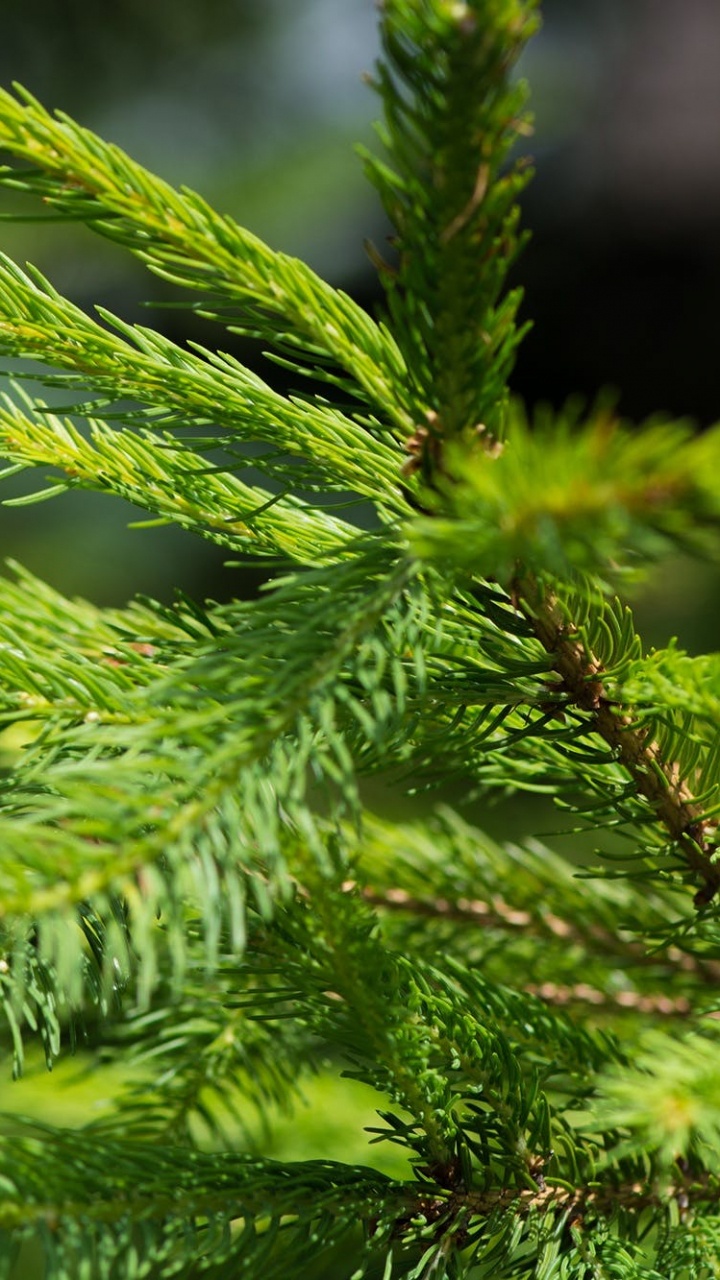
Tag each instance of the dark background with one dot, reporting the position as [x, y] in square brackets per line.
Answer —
[257, 103]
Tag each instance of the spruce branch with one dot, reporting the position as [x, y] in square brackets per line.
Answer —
[451, 115]
[192, 879]
[204, 1190]
[658, 780]
[519, 518]
[197, 1063]
[576, 1202]
[453, 1054]
[502, 916]
[568, 498]
[181, 238]
[162, 787]
[164, 476]
[185, 389]
[177, 1205]
[582, 993]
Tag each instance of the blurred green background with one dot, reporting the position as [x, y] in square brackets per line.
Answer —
[257, 103]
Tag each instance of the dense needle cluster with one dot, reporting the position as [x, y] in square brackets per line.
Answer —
[194, 880]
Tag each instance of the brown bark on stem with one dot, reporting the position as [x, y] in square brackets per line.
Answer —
[657, 780]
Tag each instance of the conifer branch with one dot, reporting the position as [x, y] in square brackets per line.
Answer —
[576, 1202]
[187, 389]
[501, 915]
[567, 497]
[182, 239]
[658, 781]
[170, 480]
[582, 993]
[190, 877]
[452, 115]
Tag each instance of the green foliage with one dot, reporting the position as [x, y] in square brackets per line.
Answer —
[452, 115]
[569, 497]
[196, 885]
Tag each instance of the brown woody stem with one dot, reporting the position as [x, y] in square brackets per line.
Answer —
[657, 780]
[500, 914]
[686, 1191]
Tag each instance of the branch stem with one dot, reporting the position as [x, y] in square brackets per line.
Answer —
[500, 914]
[658, 781]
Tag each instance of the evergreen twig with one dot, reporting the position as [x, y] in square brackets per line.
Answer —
[194, 882]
